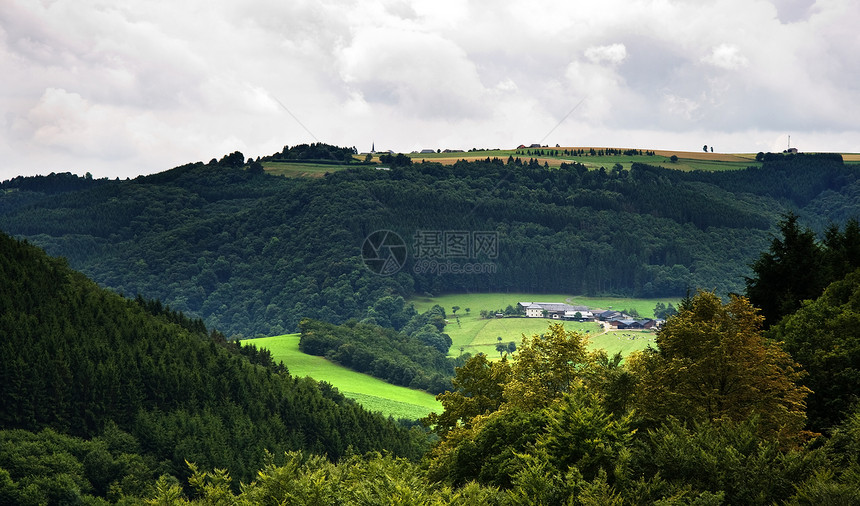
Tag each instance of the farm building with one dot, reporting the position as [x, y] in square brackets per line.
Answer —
[555, 310]
[611, 315]
[629, 323]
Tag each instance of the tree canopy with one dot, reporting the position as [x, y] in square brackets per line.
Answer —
[824, 336]
[713, 363]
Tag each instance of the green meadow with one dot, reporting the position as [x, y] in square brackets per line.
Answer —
[289, 169]
[374, 394]
[479, 335]
[495, 301]
[687, 160]
[470, 334]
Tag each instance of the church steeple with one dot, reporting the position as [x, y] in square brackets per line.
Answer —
[373, 147]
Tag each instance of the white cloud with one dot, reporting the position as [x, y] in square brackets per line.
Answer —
[726, 56]
[613, 54]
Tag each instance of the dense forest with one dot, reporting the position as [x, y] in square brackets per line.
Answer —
[252, 254]
[150, 388]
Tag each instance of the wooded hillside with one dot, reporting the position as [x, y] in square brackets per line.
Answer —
[78, 359]
[252, 254]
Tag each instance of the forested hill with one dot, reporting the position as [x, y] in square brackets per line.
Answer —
[81, 360]
[252, 253]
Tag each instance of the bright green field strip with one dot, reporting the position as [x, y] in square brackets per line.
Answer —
[623, 341]
[372, 393]
[608, 161]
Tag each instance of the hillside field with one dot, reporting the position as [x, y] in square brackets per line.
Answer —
[374, 394]
[472, 333]
[289, 169]
[475, 334]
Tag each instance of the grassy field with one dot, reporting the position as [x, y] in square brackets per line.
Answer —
[300, 169]
[372, 393]
[687, 160]
[471, 333]
[475, 334]
[494, 301]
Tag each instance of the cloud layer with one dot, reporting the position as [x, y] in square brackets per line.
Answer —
[125, 88]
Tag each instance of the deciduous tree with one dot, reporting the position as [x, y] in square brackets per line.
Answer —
[547, 366]
[714, 364]
[477, 389]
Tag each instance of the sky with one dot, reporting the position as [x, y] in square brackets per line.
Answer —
[120, 88]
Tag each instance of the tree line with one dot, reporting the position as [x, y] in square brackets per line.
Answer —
[253, 254]
[381, 352]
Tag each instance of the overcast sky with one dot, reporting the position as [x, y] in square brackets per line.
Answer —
[128, 87]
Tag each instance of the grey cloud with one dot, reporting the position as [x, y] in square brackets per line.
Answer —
[128, 87]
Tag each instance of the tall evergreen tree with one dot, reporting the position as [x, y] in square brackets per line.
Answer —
[788, 273]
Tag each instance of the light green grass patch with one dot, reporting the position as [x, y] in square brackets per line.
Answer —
[623, 341]
[372, 393]
[300, 169]
[495, 301]
[692, 161]
[478, 335]
[512, 329]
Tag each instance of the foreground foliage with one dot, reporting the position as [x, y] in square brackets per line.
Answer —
[824, 335]
[713, 364]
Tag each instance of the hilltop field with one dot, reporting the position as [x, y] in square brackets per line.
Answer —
[686, 161]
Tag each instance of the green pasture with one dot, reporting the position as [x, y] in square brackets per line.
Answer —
[692, 161]
[287, 169]
[497, 300]
[372, 393]
[478, 335]
[685, 164]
